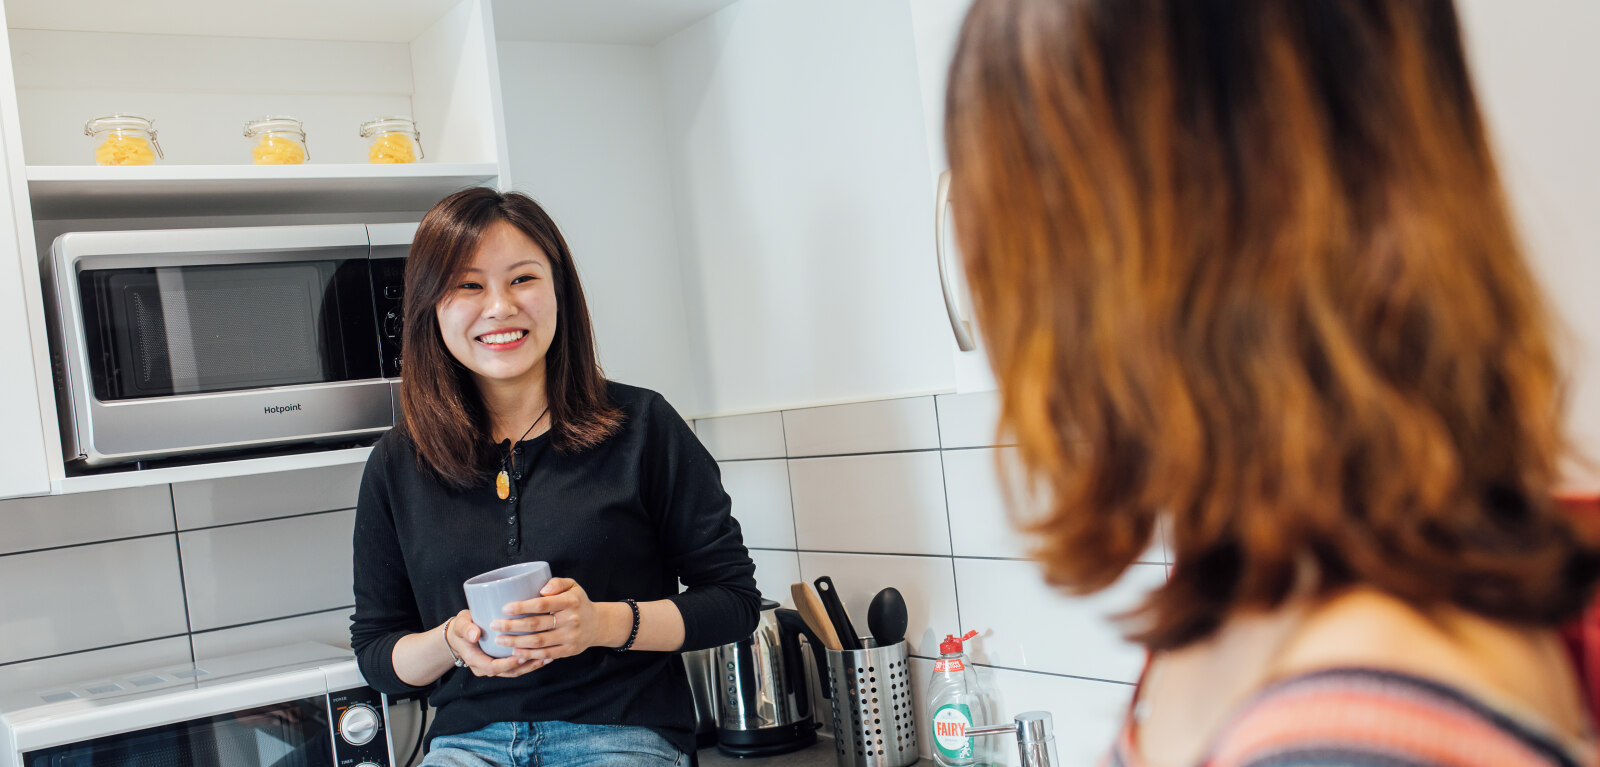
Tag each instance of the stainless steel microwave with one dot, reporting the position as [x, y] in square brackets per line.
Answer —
[301, 705]
[175, 342]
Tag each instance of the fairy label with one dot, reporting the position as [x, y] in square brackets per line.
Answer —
[950, 725]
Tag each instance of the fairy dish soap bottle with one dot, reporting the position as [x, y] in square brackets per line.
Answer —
[956, 702]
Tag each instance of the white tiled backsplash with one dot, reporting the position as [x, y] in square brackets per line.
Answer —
[899, 493]
[906, 493]
[128, 579]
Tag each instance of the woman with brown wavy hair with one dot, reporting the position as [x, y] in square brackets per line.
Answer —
[514, 449]
[1247, 266]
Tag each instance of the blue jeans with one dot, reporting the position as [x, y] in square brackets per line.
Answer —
[553, 744]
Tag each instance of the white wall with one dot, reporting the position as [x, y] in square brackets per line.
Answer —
[587, 140]
[1535, 66]
[805, 205]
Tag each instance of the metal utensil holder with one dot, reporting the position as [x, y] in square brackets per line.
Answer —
[874, 720]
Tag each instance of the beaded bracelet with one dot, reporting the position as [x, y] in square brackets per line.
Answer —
[634, 634]
[445, 630]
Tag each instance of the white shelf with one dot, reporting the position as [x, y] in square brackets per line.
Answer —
[119, 479]
[93, 191]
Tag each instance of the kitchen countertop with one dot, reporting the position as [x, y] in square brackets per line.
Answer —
[819, 754]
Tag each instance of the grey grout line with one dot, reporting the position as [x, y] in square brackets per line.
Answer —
[866, 553]
[188, 635]
[949, 528]
[1034, 671]
[783, 431]
[264, 519]
[788, 474]
[912, 554]
[338, 608]
[87, 543]
[1054, 674]
[183, 583]
[838, 455]
[963, 448]
[106, 647]
[174, 531]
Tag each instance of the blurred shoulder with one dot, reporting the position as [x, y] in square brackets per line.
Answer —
[1374, 716]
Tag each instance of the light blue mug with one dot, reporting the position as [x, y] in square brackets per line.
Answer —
[493, 590]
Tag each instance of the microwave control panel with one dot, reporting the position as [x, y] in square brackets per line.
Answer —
[388, 293]
[361, 737]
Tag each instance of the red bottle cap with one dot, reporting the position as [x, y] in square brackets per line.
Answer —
[951, 645]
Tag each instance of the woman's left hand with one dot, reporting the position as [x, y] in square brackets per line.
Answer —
[561, 622]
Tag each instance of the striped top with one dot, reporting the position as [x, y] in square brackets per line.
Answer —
[1360, 717]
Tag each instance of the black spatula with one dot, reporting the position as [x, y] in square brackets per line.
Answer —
[848, 639]
[886, 617]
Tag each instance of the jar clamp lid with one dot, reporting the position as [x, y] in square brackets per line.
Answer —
[394, 124]
[122, 122]
[289, 126]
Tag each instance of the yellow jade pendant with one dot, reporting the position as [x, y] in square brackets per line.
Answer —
[502, 485]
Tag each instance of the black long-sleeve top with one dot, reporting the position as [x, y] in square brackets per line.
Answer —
[630, 518]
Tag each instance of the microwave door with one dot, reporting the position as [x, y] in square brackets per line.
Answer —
[294, 733]
[169, 331]
[218, 355]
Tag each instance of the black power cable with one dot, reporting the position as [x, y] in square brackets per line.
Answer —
[422, 728]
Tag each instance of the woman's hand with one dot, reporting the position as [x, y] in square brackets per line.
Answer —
[463, 635]
[561, 622]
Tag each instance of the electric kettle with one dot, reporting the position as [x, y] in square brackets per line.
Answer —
[763, 691]
[703, 688]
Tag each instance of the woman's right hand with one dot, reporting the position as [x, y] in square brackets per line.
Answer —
[463, 635]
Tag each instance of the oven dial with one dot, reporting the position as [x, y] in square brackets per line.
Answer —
[358, 725]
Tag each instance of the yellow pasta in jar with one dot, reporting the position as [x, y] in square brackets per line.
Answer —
[120, 149]
[392, 148]
[277, 150]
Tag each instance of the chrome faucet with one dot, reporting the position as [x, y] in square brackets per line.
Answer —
[1036, 741]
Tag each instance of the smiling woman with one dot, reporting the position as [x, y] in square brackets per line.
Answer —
[498, 322]
[603, 481]
[478, 246]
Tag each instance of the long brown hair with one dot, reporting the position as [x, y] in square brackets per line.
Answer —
[444, 414]
[1248, 265]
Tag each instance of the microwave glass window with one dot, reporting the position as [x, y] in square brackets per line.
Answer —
[159, 331]
[292, 734]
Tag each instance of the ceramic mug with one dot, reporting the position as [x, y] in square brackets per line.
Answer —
[488, 593]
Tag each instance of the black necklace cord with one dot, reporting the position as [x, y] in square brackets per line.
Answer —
[502, 481]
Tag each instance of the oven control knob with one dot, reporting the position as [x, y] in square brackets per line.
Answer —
[358, 725]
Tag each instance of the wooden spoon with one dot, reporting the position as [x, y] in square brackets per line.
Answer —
[812, 612]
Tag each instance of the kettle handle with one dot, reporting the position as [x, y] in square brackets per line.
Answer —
[792, 625]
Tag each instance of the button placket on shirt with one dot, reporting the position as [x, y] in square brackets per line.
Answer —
[511, 502]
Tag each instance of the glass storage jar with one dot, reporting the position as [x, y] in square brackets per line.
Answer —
[124, 140]
[393, 140]
[279, 141]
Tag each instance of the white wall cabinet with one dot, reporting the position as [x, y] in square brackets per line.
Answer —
[27, 410]
[801, 187]
[199, 70]
[804, 204]
[937, 26]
